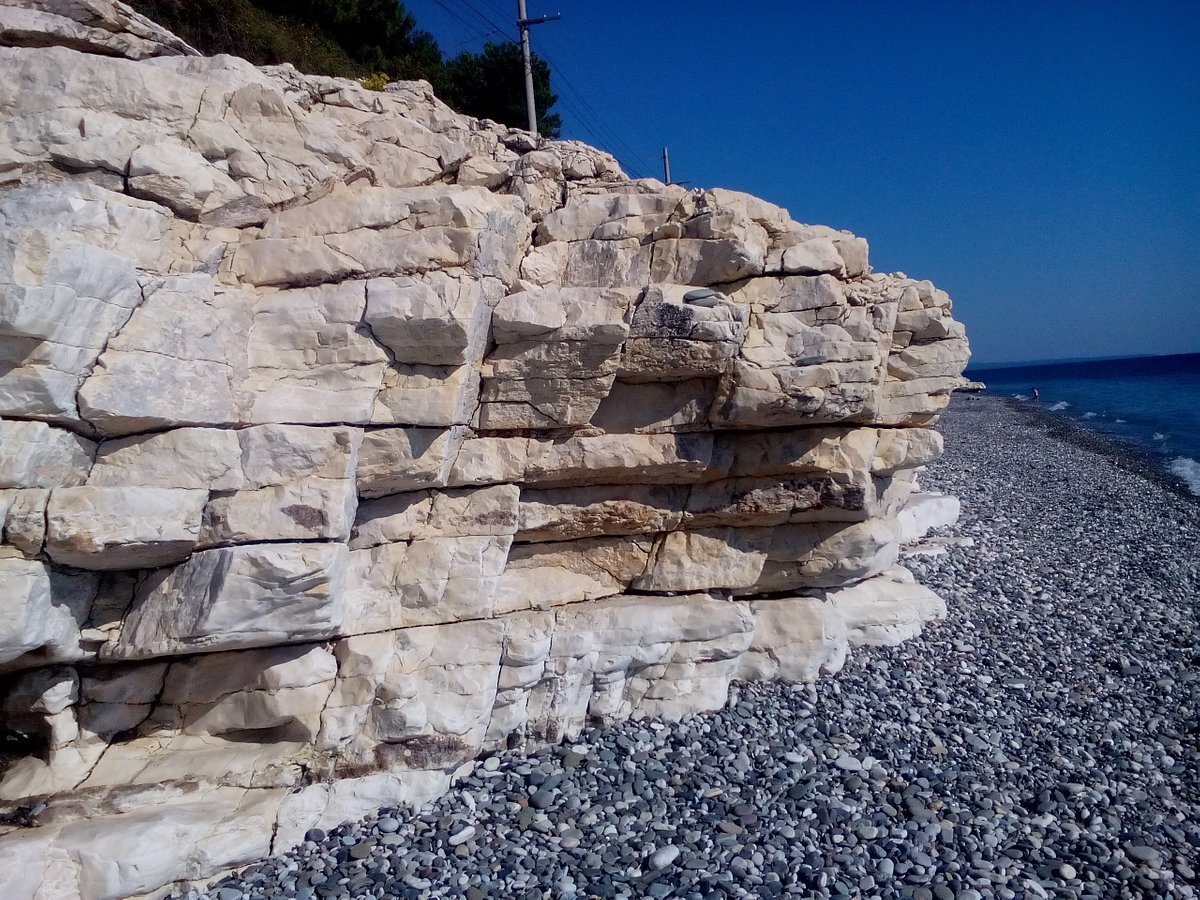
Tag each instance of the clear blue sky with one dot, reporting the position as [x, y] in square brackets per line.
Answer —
[1039, 161]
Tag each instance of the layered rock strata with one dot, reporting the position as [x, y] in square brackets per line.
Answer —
[345, 438]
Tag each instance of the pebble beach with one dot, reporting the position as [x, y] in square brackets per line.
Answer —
[1042, 741]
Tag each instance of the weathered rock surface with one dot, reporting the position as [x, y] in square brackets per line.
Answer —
[343, 438]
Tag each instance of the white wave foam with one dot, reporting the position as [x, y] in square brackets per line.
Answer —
[1089, 415]
[1159, 436]
[1119, 421]
[1189, 471]
[1020, 396]
[1059, 406]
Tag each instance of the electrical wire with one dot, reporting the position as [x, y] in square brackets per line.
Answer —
[588, 120]
[620, 147]
[466, 23]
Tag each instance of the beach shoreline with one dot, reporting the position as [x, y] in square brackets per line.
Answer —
[1040, 741]
[1127, 452]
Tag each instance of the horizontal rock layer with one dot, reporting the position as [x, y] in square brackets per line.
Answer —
[344, 438]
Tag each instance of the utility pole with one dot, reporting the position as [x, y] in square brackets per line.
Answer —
[666, 166]
[523, 22]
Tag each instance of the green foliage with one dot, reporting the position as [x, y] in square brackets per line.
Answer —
[491, 85]
[376, 81]
[241, 28]
[364, 39]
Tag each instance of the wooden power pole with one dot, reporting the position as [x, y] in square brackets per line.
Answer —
[523, 22]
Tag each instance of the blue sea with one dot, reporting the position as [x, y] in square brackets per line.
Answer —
[1149, 402]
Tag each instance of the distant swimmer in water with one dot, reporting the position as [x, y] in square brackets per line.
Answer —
[1035, 395]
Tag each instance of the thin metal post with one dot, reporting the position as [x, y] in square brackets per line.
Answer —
[523, 23]
[666, 166]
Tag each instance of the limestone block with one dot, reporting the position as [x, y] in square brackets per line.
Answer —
[930, 359]
[488, 460]
[838, 555]
[140, 683]
[782, 394]
[24, 520]
[477, 171]
[135, 852]
[309, 358]
[600, 649]
[704, 262]
[33, 454]
[270, 482]
[778, 500]
[431, 514]
[762, 559]
[281, 689]
[847, 454]
[537, 179]
[657, 407]
[430, 581]
[795, 639]
[542, 576]
[905, 448]
[91, 26]
[437, 396]
[581, 216]
[393, 519]
[924, 511]
[187, 334]
[608, 264]
[854, 252]
[41, 610]
[122, 527]
[394, 460]
[557, 353]
[887, 609]
[298, 484]
[363, 231]
[565, 514]
[307, 509]
[436, 320]
[545, 265]
[797, 293]
[209, 458]
[179, 178]
[62, 299]
[813, 257]
[915, 402]
[617, 459]
[405, 153]
[672, 338]
[235, 597]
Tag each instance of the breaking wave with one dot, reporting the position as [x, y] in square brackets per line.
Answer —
[1020, 396]
[1159, 436]
[1059, 406]
[1189, 471]
[1089, 415]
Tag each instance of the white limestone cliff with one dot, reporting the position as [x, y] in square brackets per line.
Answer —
[344, 438]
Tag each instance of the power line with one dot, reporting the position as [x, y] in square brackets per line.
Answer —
[608, 136]
[470, 26]
[588, 119]
[484, 16]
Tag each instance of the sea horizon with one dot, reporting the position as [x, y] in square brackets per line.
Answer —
[974, 366]
[1149, 403]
